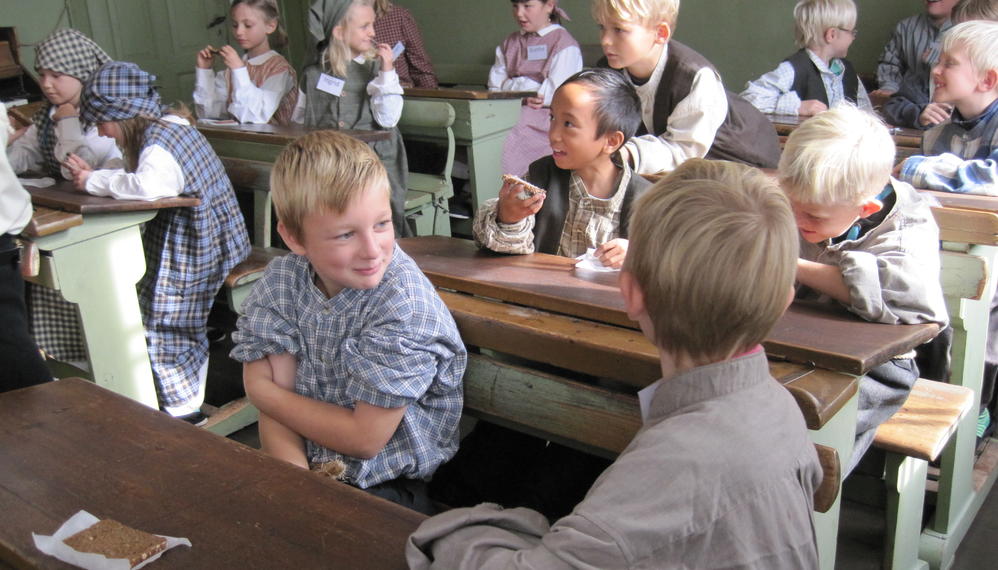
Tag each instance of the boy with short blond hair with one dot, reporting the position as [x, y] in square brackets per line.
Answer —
[686, 112]
[722, 472]
[961, 155]
[349, 354]
[967, 10]
[868, 242]
[818, 76]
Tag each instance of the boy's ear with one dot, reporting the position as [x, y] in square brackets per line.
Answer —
[870, 207]
[989, 80]
[292, 242]
[829, 34]
[663, 33]
[634, 297]
[613, 141]
[337, 32]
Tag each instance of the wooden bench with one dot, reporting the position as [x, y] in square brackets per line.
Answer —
[914, 436]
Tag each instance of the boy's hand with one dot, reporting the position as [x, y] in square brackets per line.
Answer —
[934, 113]
[612, 253]
[205, 56]
[811, 107]
[534, 102]
[384, 52]
[231, 57]
[880, 96]
[511, 209]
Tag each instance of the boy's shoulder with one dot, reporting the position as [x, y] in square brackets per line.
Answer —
[683, 56]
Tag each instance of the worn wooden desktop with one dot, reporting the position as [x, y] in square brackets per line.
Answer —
[482, 120]
[544, 285]
[264, 142]
[71, 445]
[94, 257]
[907, 140]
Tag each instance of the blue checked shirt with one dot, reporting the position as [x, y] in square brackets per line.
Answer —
[774, 92]
[960, 156]
[392, 346]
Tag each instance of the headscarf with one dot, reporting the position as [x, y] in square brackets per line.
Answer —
[323, 16]
[118, 91]
[71, 53]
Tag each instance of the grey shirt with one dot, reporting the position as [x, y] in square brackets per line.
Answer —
[721, 475]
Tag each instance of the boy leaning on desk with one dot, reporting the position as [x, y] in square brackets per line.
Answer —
[722, 472]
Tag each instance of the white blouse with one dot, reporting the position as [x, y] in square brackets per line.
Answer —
[250, 104]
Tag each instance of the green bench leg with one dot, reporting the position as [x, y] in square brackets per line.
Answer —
[905, 481]
[840, 433]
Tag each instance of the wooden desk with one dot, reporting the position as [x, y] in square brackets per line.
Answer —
[550, 314]
[824, 336]
[482, 120]
[908, 141]
[264, 142]
[71, 445]
[96, 265]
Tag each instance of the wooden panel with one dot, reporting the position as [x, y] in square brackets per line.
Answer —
[70, 445]
[965, 225]
[279, 135]
[925, 422]
[449, 93]
[824, 335]
[62, 196]
[45, 221]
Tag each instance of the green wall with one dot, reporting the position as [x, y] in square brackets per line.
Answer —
[743, 38]
[34, 20]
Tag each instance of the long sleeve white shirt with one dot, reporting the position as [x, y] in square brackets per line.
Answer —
[158, 175]
[692, 125]
[25, 153]
[250, 104]
[563, 64]
[15, 202]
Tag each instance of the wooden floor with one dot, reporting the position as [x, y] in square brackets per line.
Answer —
[861, 530]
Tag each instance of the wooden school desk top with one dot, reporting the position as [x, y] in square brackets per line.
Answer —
[62, 196]
[71, 445]
[903, 136]
[279, 134]
[450, 93]
[823, 335]
[46, 221]
[965, 218]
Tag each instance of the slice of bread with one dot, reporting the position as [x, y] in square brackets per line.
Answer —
[528, 188]
[115, 540]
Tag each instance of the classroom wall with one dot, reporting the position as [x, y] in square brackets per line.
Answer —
[743, 38]
[34, 20]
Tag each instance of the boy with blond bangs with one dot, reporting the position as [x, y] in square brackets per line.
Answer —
[351, 357]
[967, 10]
[868, 242]
[818, 76]
[961, 155]
[685, 110]
[722, 472]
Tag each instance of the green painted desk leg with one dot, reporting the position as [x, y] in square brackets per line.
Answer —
[905, 484]
[484, 168]
[96, 266]
[958, 501]
[840, 433]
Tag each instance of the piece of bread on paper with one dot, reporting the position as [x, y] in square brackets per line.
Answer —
[115, 540]
[528, 188]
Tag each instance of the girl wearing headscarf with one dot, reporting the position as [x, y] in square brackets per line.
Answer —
[189, 251]
[352, 84]
[64, 61]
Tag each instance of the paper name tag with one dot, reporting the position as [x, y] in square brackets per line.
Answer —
[535, 53]
[397, 50]
[330, 84]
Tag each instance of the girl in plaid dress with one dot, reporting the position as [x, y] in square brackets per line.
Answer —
[189, 251]
[64, 61]
[258, 87]
[353, 85]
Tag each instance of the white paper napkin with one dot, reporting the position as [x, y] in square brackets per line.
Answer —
[591, 262]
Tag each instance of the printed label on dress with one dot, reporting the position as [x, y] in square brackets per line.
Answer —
[330, 84]
[536, 53]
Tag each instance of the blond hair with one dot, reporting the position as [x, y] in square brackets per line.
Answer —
[648, 13]
[967, 10]
[712, 290]
[979, 38]
[323, 171]
[382, 7]
[841, 156]
[337, 54]
[813, 17]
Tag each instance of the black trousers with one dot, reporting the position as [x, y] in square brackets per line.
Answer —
[20, 363]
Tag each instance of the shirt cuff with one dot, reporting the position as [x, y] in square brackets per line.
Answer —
[241, 78]
[909, 170]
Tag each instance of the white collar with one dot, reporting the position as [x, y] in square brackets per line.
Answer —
[257, 60]
[543, 31]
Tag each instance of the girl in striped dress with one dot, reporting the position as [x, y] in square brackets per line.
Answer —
[260, 86]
